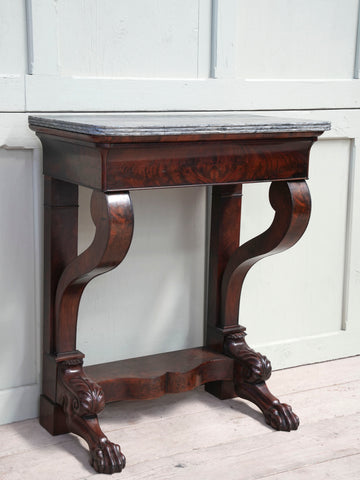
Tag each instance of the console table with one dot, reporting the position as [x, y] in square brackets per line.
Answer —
[113, 154]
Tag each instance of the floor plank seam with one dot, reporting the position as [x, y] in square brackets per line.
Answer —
[238, 456]
[35, 448]
[293, 438]
[309, 465]
[221, 444]
[227, 404]
[322, 387]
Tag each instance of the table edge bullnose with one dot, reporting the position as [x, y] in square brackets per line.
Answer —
[233, 125]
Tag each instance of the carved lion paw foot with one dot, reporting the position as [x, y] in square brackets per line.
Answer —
[281, 417]
[107, 458]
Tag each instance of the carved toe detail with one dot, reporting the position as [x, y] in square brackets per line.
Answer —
[251, 369]
[106, 457]
[281, 417]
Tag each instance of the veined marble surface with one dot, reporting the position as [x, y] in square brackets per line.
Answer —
[147, 124]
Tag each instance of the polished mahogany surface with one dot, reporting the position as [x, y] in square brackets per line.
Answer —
[113, 155]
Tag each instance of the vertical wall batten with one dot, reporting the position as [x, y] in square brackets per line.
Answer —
[357, 49]
[213, 49]
[42, 37]
[29, 36]
[38, 252]
[348, 235]
[223, 41]
[204, 38]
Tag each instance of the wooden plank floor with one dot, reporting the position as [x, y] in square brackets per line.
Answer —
[196, 436]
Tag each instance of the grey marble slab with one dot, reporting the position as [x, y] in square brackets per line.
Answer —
[136, 124]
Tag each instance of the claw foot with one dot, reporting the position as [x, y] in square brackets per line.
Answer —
[82, 400]
[106, 457]
[281, 417]
[250, 372]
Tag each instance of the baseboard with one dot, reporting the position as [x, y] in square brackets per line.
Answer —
[19, 403]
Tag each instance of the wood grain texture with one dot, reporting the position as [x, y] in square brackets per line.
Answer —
[292, 204]
[113, 217]
[60, 216]
[223, 242]
[206, 163]
[184, 161]
[153, 376]
[229, 263]
[265, 150]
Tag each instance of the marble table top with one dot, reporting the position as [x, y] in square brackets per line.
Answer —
[150, 124]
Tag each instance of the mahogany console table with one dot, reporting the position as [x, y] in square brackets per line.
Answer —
[115, 154]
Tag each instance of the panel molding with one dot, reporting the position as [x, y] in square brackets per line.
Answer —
[38, 201]
[223, 39]
[291, 353]
[53, 93]
[46, 36]
[353, 272]
[348, 234]
[20, 287]
[17, 401]
[357, 48]
[42, 42]
[204, 39]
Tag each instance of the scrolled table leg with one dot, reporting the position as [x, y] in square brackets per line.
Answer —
[292, 204]
[113, 217]
[81, 398]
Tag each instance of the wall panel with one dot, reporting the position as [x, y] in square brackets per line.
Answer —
[288, 39]
[309, 301]
[141, 39]
[13, 49]
[17, 286]
[281, 58]
[13, 55]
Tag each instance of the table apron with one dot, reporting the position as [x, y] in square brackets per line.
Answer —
[142, 166]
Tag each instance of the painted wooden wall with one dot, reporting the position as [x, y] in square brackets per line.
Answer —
[296, 59]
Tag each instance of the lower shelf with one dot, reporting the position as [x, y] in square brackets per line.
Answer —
[155, 375]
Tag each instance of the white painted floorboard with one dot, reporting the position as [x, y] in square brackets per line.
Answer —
[196, 436]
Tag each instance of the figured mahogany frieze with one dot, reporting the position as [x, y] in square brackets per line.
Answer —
[203, 163]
